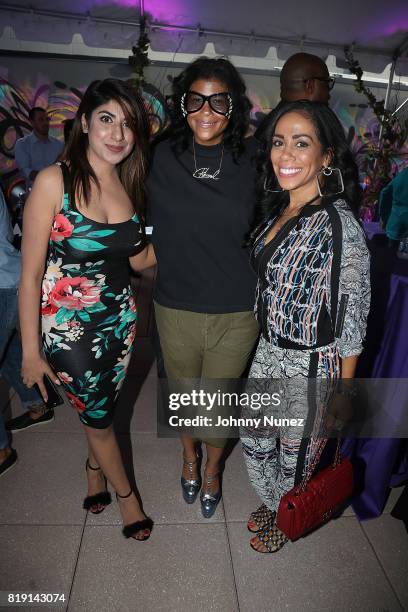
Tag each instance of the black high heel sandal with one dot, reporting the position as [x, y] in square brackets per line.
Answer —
[134, 528]
[103, 498]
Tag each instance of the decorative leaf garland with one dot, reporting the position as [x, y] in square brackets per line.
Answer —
[393, 138]
[139, 60]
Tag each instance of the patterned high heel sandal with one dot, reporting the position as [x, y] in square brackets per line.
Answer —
[145, 525]
[260, 518]
[99, 499]
[271, 537]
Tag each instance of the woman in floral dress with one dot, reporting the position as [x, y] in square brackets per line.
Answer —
[80, 232]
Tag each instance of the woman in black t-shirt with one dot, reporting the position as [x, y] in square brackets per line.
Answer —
[201, 195]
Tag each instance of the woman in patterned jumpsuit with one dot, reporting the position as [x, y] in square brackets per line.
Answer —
[313, 292]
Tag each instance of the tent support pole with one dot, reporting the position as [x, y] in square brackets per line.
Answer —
[399, 52]
[388, 95]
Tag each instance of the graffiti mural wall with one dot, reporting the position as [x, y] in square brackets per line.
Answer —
[16, 99]
[60, 96]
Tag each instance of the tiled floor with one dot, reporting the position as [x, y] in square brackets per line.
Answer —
[49, 544]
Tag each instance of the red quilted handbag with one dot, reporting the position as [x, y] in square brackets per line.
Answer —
[315, 500]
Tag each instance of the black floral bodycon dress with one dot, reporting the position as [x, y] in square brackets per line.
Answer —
[88, 311]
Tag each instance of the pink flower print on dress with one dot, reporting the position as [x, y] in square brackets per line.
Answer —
[64, 377]
[132, 304]
[78, 405]
[74, 293]
[131, 336]
[61, 228]
[46, 307]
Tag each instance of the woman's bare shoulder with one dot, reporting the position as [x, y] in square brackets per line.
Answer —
[48, 190]
[50, 177]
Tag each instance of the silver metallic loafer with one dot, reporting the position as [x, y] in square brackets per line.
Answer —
[209, 502]
[190, 486]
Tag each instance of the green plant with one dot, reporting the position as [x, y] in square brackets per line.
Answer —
[139, 58]
[382, 152]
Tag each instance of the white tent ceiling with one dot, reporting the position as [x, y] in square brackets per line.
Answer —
[375, 28]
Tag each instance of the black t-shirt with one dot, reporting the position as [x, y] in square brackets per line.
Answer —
[199, 226]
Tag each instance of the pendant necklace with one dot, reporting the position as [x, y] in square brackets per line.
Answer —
[203, 173]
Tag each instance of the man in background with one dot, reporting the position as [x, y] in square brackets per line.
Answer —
[303, 77]
[37, 150]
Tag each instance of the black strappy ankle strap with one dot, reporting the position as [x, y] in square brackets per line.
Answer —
[88, 465]
[124, 496]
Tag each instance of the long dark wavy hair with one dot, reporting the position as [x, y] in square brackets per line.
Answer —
[132, 169]
[222, 70]
[331, 136]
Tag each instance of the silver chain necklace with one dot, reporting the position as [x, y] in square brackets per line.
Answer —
[203, 173]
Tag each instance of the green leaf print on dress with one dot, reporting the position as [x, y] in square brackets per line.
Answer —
[86, 387]
[84, 244]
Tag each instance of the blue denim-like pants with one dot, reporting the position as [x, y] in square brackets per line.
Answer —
[11, 355]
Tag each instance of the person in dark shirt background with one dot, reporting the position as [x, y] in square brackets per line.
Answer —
[303, 77]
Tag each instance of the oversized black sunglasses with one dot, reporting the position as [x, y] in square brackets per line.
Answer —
[192, 102]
